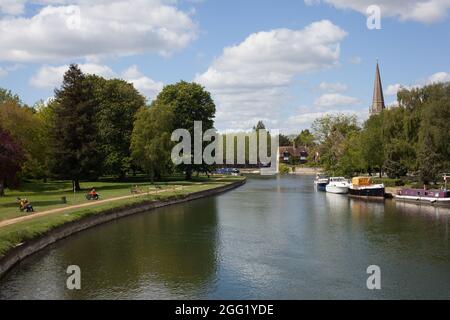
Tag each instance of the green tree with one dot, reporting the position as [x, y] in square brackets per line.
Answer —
[351, 160]
[332, 132]
[76, 152]
[430, 164]
[284, 141]
[25, 126]
[189, 102]
[8, 96]
[150, 143]
[259, 126]
[372, 150]
[11, 158]
[305, 139]
[117, 103]
[395, 164]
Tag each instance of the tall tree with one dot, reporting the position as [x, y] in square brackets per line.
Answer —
[189, 102]
[25, 127]
[8, 96]
[373, 147]
[150, 144]
[117, 103]
[332, 132]
[11, 159]
[430, 164]
[76, 154]
[259, 126]
[284, 141]
[305, 139]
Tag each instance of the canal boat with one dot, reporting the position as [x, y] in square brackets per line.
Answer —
[424, 195]
[362, 187]
[321, 182]
[338, 185]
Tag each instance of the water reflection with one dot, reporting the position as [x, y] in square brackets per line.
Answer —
[272, 238]
[137, 257]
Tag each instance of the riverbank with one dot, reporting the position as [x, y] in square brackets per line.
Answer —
[20, 240]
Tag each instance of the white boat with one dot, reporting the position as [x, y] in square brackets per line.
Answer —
[321, 182]
[338, 185]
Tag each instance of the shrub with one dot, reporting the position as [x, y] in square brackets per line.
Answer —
[388, 182]
[284, 169]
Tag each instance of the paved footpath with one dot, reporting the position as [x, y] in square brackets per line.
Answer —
[83, 205]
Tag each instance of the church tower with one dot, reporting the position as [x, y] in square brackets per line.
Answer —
[378, 98]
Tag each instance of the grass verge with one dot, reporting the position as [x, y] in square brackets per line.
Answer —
[13, 235]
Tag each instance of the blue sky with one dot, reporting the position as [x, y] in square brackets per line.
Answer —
[287, 62]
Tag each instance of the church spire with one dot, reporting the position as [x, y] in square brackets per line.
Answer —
[378, 98]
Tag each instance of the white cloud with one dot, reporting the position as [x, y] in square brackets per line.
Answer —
[145, 85]
[425, 11]
[52, 77]
[333, 87]
[355, 60]
[4, 71]
[81, 29]
[335, 99]
[393, 89]
[249, 81]
[12, 7]
[304, 118]
[439, 77]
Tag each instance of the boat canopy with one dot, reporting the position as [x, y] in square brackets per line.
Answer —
[362, 181]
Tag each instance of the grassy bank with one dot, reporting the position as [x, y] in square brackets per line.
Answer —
[48, 196]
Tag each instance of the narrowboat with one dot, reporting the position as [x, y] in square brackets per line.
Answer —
[321, 182]
[362, 187]
[338, 185]
[424, 195]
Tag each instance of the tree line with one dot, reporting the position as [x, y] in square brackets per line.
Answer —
[95, 127]
[412, 138]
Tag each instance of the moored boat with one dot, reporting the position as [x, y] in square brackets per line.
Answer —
[424, 195]
[338, 185]
[362, 187]
[321, 182]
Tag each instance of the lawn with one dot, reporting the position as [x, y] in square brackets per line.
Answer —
[46, 196]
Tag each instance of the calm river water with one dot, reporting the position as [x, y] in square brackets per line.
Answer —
[274, 238]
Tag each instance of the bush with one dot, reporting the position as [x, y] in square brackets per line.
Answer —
[284, 169]
[388, 182]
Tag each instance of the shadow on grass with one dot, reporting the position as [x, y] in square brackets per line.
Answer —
[37, 187]
[63, 188]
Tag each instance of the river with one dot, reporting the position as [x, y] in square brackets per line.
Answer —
[274, 238]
